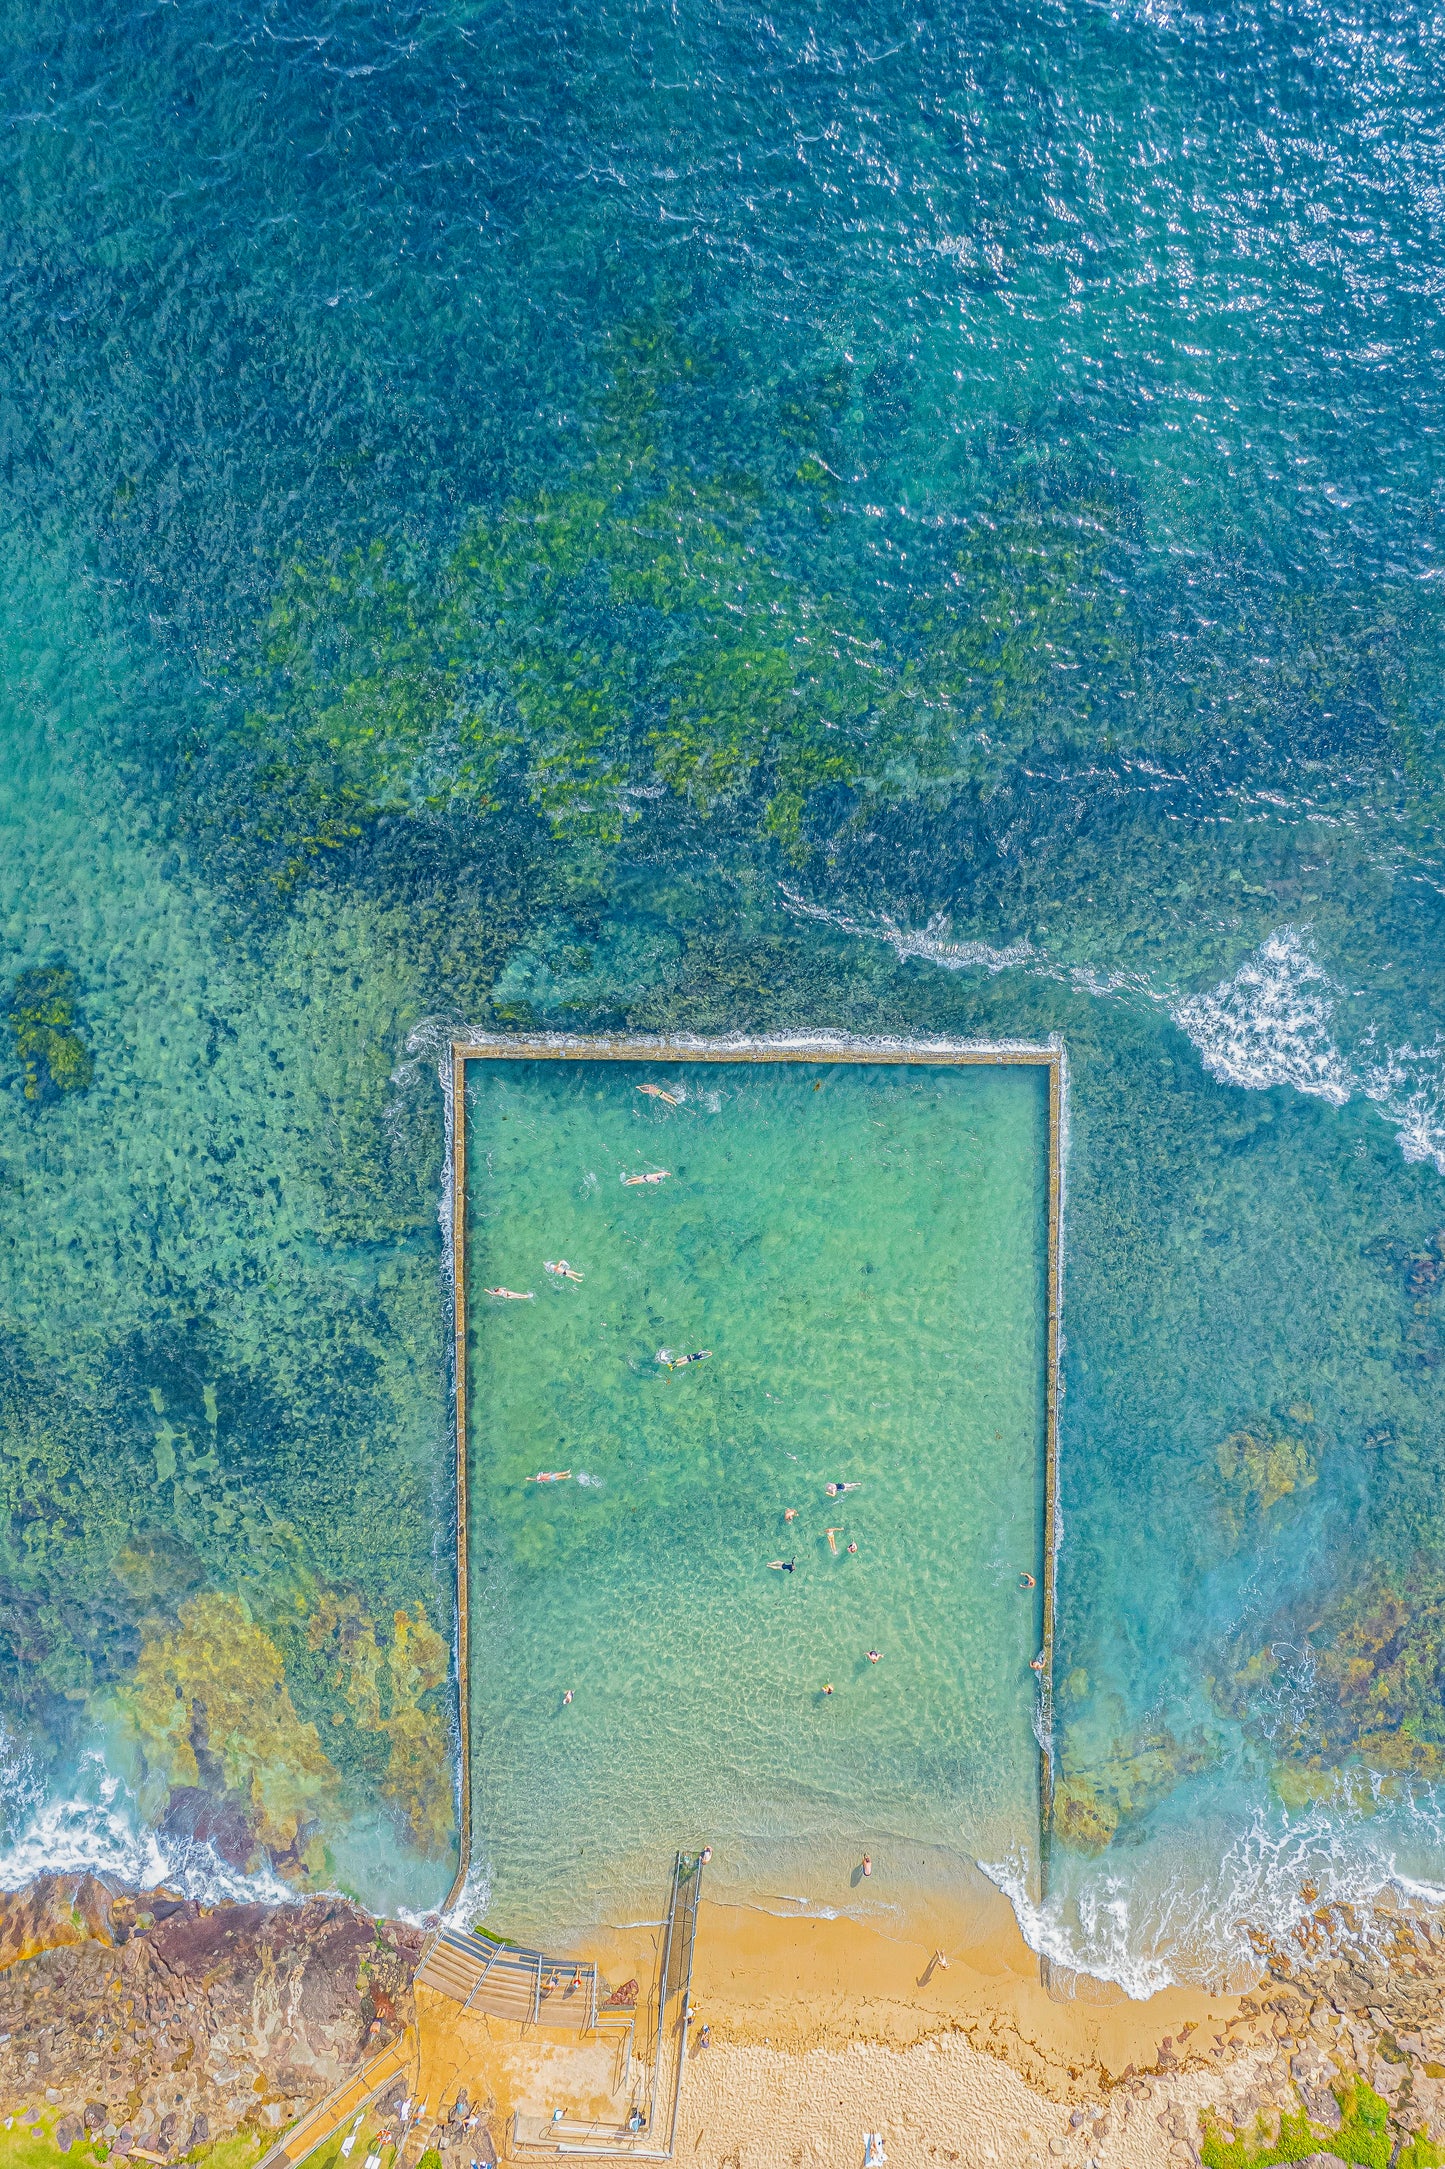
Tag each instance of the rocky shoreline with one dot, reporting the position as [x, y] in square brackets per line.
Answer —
[143, 2023]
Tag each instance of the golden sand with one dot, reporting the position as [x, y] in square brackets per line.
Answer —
[823, 2030]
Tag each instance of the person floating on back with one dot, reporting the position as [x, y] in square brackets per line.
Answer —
[561, 1270]
[660, 1175]
[657, 1092]
[512, 1295]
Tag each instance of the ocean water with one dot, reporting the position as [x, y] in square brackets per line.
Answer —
[862, 1253]
[694, 519]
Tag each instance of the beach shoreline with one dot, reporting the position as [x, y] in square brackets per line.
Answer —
[806, 2034]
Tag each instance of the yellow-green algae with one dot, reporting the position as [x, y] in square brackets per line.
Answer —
[1363, 2137]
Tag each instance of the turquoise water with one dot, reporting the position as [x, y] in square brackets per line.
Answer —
[863, 1254]
[691, 520]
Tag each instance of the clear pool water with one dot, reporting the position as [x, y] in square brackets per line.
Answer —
[863, 1253]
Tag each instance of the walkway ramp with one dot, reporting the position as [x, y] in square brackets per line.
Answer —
[389, 2067]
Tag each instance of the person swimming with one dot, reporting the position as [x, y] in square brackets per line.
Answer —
[630, 1182]
[852, 1548]
[782, 1566]
[658, 1092]
[1036, 1664]
[1026, 1581]
[550, 1476]
[680, 1363]
[873, 1656]
[790, 1513]
[561, 1270]
[836, 1491]
[833, 1536]
[512, 1295]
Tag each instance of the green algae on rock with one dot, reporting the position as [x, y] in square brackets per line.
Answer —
[43, 1021]
[1377, 1657]
[1091, 1801]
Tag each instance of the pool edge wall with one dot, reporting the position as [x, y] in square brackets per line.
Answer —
[782, 1047]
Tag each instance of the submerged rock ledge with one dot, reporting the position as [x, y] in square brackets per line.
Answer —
[143, 2022]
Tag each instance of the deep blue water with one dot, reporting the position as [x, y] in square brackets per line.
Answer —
[898, 521]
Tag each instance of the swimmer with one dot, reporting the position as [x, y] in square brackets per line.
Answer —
[550, 1476]
[630, 1182]
[699, 1355]
[790, 1513]
[867, 1863]
[782, 1566]
[562, 1270]
[852, 1548]
[566, 1698]
[833, 1535]
[873, 1656]
[512, 1295]
[1036, 1664]
[1026, 1581]
[828, 1690]
[656, 1092]
[836, 1491]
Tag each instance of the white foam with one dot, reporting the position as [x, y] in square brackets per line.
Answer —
[1272, 1022]
[97, 1826]
[1176, 1915]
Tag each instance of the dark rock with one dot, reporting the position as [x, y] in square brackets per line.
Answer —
[204, 1819]
[67, 2131]
[127, 2018]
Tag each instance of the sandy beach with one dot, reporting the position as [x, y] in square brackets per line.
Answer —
[822, 2030]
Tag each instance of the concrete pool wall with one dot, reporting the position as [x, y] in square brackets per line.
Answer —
[812, 1049]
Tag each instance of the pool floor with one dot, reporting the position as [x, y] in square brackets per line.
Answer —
[863, 1251]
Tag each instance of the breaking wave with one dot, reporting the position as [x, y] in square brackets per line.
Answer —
[1169, 1921]
[1275, 1021]
[97, 1826]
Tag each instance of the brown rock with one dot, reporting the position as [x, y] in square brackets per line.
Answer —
[54, 1910]
[155, 2021]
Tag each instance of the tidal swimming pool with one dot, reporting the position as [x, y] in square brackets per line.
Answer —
[862, 1248]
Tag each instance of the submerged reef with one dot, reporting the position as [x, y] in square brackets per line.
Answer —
[1366, 1677]
[42, 1016]
[224, 1753]
[1259, 1466]
[1092, 1798]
